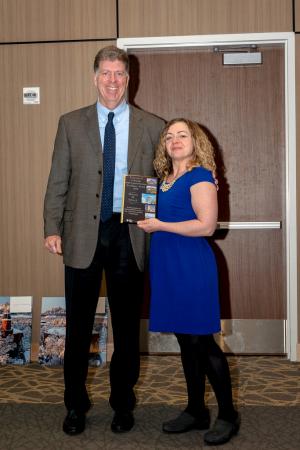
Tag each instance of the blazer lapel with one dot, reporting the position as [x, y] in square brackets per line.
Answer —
[135, 135]
[93, 131]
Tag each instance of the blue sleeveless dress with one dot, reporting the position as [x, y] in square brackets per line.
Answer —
[183, 271]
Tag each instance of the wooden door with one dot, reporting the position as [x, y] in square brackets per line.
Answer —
[242, 108]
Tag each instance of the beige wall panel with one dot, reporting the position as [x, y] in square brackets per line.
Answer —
[297, 15]
[177, 17]
[298, 162]
[64, 74]
[52, 20]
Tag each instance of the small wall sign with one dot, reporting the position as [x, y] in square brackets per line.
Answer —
[31, 95]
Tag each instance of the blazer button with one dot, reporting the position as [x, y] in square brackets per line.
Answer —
[97, 195]
[95, 217]
[99, 171]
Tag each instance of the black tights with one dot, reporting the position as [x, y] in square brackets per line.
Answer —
[201, 356]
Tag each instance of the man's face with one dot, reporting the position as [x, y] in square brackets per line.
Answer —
[111, 81]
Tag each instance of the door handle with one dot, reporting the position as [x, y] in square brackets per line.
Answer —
[248, 225]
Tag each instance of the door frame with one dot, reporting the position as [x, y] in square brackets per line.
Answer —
[288, 41]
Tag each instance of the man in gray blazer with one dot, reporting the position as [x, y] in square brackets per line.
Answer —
[90, 243]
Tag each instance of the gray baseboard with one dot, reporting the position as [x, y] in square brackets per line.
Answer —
[240, 336]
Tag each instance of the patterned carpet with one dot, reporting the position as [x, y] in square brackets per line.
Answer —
[266, 392]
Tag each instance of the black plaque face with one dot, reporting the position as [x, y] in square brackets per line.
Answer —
[139, 198]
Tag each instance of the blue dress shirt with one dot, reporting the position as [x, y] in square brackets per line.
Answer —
[121, 124]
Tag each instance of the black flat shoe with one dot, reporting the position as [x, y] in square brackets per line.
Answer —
[186, 422]
[122, 422]
[74, 422]
[222, 431]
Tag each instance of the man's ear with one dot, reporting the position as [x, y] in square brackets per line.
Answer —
[95, 76]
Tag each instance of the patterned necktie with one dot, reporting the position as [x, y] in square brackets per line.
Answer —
[109, 156]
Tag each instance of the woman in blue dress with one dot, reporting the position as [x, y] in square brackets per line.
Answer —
[184, 278]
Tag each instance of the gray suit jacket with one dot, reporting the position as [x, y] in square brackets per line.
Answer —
[73, 197]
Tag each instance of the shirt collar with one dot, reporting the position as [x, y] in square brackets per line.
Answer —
[103, 111]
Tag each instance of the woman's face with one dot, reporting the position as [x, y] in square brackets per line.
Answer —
[179, 142]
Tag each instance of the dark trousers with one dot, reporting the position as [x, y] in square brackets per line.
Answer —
[124, 281]
[201, 357]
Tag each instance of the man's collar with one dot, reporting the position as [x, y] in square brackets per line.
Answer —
[118, 110]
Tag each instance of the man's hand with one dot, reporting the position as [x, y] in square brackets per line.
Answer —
[53, 244]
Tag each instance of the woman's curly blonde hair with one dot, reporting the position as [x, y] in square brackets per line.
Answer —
[203, 154]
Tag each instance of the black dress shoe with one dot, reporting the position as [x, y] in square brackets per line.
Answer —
[186, 422]
[222, 431]
[122, 422]
[74, 422]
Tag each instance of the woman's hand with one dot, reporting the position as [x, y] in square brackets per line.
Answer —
[150, 225]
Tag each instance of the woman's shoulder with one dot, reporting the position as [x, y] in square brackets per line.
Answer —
[198, 174]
